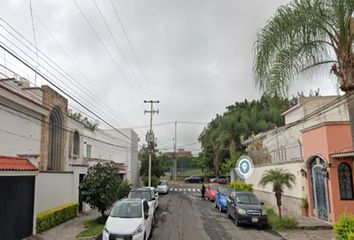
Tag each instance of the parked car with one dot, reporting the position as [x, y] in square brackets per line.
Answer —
[221, 198]
[155, 194]
[129, 219]
[212, 190]
[194, 179]
[163, 187]
[144, 193]
[245, 207]
[221, 180]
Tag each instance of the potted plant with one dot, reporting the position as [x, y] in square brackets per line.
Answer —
[304, 207]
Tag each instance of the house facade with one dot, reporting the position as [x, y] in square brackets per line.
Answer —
[37, 130]
[292, 145]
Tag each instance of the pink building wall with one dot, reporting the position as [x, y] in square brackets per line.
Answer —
[322, 140]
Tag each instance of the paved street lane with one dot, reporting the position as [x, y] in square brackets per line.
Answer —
[183, 215]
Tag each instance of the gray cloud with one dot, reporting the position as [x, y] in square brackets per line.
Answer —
[197, 55]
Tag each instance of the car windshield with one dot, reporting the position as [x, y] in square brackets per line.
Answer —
[214, 187]
[127, 210]
[226, 191]
[247, 199]
[163, 184]
[140, 195]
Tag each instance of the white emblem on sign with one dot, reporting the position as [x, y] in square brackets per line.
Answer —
[244, 167]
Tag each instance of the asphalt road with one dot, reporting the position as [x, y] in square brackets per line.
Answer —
[183, 215]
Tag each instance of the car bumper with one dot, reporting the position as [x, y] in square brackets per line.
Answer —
[139, 236]
[254, 220]
[161, 190]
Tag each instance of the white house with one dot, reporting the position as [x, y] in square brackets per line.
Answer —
[37, 132]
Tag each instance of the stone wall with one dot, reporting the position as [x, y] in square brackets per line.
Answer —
[291, 206]
[52, 99]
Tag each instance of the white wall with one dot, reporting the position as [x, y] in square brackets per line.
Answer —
[54, 189]
[20, 133]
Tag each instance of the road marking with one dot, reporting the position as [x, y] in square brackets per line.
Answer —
[189, 189]
[198, 190]
[193, 190]
[175, 189]
[180, 189]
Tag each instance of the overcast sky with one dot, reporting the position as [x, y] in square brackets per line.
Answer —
[196, 56]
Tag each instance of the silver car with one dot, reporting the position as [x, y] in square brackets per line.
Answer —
[163, 187]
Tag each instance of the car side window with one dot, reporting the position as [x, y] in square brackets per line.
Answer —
[146, 207]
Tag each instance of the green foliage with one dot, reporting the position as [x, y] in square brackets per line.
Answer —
[305, 35]
[280, 178]
[304, 203]
[100, 187]
[124, 189]
[89, 124]
[92, 228]
[157, 163]
[154, 181]
[240, 121]
[344, 228]
[280, 224]
[241, 186]
[56, 216]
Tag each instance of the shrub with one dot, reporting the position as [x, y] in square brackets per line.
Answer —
[56, 216]
[124, 189]
[154, 181]
[241, 186]
[100, 186]
[279, 224]
[344, 228]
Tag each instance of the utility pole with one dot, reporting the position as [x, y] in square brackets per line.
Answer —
[150, 138]
[175, 157]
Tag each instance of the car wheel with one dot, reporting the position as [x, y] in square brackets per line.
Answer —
[236, 221]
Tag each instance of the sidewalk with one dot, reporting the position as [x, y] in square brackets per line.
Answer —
[68, 230]
[310, 228]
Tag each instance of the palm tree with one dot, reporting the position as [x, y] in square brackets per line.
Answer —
[307, 35]
[279, 178]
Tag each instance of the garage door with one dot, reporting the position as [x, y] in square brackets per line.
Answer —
[16, 207]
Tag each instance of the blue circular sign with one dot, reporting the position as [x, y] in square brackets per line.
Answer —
[244, 167]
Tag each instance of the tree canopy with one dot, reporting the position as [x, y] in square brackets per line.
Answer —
[239, 122]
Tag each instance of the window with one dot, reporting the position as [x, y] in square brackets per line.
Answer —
[88, 151]
[55, 139]
[345, 179]
[76, 143]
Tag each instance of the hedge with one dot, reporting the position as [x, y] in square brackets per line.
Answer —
[56, 216]
[344, 228]
[241, 186]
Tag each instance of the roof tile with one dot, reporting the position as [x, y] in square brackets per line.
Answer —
[16, 164]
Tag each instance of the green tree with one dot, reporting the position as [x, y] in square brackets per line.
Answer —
[307, 35]
[280, 178]
[100, 187]
[157, 164]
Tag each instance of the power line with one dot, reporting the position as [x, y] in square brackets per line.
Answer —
[117, 44]
[60, 89]
[65, 75]
[104, 46]
[132, 49]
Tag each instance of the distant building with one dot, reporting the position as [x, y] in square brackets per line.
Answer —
[179, 154]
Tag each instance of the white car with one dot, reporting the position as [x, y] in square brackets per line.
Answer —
[129, 219]
[155, 194]
[163, 187]
[147, 194]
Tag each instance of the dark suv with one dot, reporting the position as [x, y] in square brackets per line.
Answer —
[245, 207]
[194, 179]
